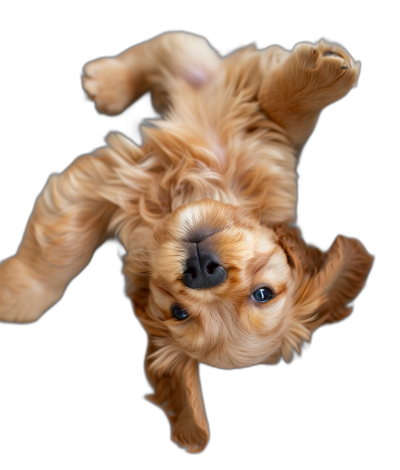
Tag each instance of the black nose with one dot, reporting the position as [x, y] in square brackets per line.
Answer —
[203, 271]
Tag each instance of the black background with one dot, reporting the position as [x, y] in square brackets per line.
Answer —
[73, 382]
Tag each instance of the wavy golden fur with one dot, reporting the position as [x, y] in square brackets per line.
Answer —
[219, 165]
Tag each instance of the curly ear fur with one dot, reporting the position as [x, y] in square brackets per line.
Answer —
[307, 258]
[325, 283]
[342, 276]
[174, 377]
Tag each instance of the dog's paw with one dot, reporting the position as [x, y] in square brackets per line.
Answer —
[110, 84]
[326, 64]
[312, 56]
[23, 298]
[190, 448]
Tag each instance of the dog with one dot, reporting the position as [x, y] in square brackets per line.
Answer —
[215, 267]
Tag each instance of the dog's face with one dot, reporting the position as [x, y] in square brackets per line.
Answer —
[231, 293]
[211, 284]
[220, 284]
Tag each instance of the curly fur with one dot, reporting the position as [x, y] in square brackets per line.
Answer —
[222, 158]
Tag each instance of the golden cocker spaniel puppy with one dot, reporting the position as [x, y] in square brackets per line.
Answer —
[204, 208]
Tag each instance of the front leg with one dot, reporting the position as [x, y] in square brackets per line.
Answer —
[114, 83]
[69, 221]
[299, 84]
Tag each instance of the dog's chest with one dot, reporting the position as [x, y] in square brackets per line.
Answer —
[217, 148]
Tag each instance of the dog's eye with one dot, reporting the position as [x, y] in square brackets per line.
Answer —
[262, 295]
[178, 312]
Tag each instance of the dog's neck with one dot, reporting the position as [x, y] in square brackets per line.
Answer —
[242, 157]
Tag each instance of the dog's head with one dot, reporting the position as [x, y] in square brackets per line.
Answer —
[228, 292]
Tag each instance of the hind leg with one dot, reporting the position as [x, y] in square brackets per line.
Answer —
[114, 83]
[297, 85]
[69, 221]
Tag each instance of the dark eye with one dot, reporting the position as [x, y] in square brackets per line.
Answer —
[178, 312]
[262, 295]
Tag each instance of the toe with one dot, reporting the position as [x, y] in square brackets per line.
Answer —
[331, 53]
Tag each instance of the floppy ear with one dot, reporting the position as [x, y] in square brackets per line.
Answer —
[175, 378]
[341, 278]
[173, 375]
[327, 282]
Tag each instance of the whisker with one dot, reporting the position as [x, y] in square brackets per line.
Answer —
[125, 266]
[137, 274]
[133, 256]
[137, 259]
[144, 250]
